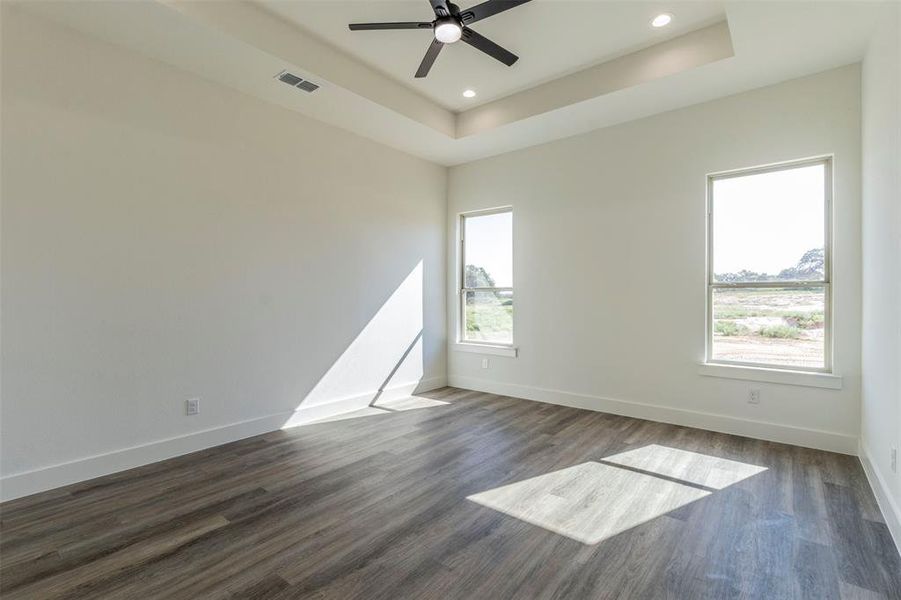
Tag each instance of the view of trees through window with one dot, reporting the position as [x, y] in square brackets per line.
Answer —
[769, 276]
[488, 277]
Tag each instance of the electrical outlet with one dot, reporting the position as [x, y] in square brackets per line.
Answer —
[894, 459]
[485, 363]
[192, 406]
[754, 396]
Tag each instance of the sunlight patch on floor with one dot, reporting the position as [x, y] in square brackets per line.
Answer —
[593, 501]
[690, 467]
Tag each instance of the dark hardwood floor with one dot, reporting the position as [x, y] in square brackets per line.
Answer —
[458, 494]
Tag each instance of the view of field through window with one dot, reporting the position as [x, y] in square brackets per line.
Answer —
[488, 278]
[769, 291]
[774, 326]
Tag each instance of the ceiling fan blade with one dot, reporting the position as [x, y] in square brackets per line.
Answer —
[441, 8]
[373, 26]
[487, 9]
[429, 59]
[482, 43]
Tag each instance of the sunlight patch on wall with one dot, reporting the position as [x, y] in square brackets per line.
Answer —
[386, 353]
[593, 501]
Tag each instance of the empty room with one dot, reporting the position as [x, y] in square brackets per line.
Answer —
[405, 299]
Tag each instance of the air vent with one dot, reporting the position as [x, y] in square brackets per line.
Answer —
[308, 86]
[289, 78]
[298, 82]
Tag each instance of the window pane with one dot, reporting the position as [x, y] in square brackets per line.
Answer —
[488, 317]
[489, 250]
[774, 326]
[770, 226]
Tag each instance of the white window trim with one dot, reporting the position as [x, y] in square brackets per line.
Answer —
[461, 344]
[768, 375]
[492, 349]
[758, 371]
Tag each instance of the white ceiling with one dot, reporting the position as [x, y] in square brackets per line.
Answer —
[551, 37]
[239, 44]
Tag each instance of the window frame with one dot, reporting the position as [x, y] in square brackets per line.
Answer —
[825, 283]
[461, 279]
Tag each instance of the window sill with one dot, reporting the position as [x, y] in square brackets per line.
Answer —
[508, 351]
[787, 377]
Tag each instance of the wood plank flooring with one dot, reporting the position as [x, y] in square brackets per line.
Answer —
[457, 494]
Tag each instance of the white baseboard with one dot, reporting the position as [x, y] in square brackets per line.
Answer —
[887, 504]
[308, 414]
[774, 432]
[47, 478]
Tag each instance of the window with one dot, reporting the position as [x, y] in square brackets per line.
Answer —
[486, 288]
[768, 293]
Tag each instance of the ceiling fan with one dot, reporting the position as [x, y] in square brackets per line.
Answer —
[450, 25]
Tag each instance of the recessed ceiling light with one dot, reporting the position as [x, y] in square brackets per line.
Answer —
[662, 20]
[469, 94]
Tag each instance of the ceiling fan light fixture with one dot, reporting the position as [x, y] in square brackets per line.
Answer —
[448, 31]
[661, 20]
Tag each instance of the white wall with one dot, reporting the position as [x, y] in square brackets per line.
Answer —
[166, 238]
[881, 390]
[609, 265]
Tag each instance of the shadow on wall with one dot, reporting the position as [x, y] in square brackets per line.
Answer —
[384, 362]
